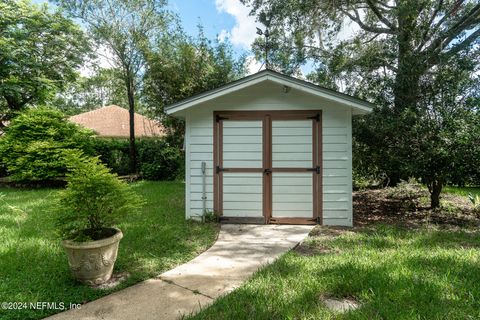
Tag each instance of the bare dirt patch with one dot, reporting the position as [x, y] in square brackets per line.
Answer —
[340, 305]
[329, 231]
[114, 281]
[406, 206]
[411, 209]
[312, 249]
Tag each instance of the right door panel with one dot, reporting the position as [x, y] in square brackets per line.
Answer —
[292, 195]
[292, 169]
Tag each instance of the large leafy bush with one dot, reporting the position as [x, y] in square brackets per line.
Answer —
[32, 148]
[114, 153]
[157, 159]
[94, 200]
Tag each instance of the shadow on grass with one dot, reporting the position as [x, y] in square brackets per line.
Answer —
[33, 266]
[394, 273]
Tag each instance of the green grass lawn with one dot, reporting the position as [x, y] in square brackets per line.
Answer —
[393, 272]
[33, 266]
[463, 191]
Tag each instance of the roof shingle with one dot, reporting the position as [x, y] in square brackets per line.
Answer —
[113, 121]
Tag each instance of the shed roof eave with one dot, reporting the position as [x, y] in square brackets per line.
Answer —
[268, 75]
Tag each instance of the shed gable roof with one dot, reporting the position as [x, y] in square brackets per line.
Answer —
[270, 75]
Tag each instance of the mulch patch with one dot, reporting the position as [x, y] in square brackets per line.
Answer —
[406, 209]
[382, 206]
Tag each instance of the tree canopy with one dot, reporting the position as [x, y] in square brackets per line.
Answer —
[125, 28]
[417, 60]
[40, 51]
[179, 66]
[103, 87]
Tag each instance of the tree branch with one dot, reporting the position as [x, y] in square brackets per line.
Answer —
[371, 39]
[470, 19]
[362, 25]
[429, 24]
[380, 16]
[459, 47]
[386, 5]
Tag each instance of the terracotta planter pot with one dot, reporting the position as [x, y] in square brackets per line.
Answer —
[92, 262]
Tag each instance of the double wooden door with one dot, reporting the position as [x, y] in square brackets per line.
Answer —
[268, 166]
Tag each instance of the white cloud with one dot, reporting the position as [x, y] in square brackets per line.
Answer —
[224, 34]
[104, 60]
[244, 32]
[349, 28]
[253, 65]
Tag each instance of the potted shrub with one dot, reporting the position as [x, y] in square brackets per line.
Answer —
[88, 210]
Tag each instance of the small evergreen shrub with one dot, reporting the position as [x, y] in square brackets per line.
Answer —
[94, 200]
[33, 145]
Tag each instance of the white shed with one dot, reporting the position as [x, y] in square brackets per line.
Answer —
[275, 149]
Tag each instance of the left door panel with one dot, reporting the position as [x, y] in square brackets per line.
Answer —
[241, 168]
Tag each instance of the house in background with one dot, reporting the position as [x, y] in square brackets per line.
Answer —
[270, 148]
[114, 122]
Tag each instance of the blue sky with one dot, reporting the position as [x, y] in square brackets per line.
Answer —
[220, 18]
[203, 12]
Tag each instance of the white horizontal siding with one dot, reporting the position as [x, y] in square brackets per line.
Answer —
[243, 124]
[286, 154]
[198, 149]
[336, 139]
[247, 189]
[335, 164]
[242, 197]
[292, 163]
[241, 212]
[303, 196]
[201, 131]
[197, 204]
[293, 139]
[194, 148]
[330, 182]
[242, 194]
[244, 133]
[292, 195]
[300, 146]
[197, 188]
[242, 139]
[293, 213]
[243, 147]
[203, 140]
[337, 168]
[294, 189]
[342, 147]
[201, 156]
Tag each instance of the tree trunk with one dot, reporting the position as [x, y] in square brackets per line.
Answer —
[410, 68]
[393, 179]
[406, 90]
[131, 109]
[435, 188]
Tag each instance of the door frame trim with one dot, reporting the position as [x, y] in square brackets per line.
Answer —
[267, 117]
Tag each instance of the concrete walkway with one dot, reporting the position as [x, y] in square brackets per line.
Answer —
[239, 251]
